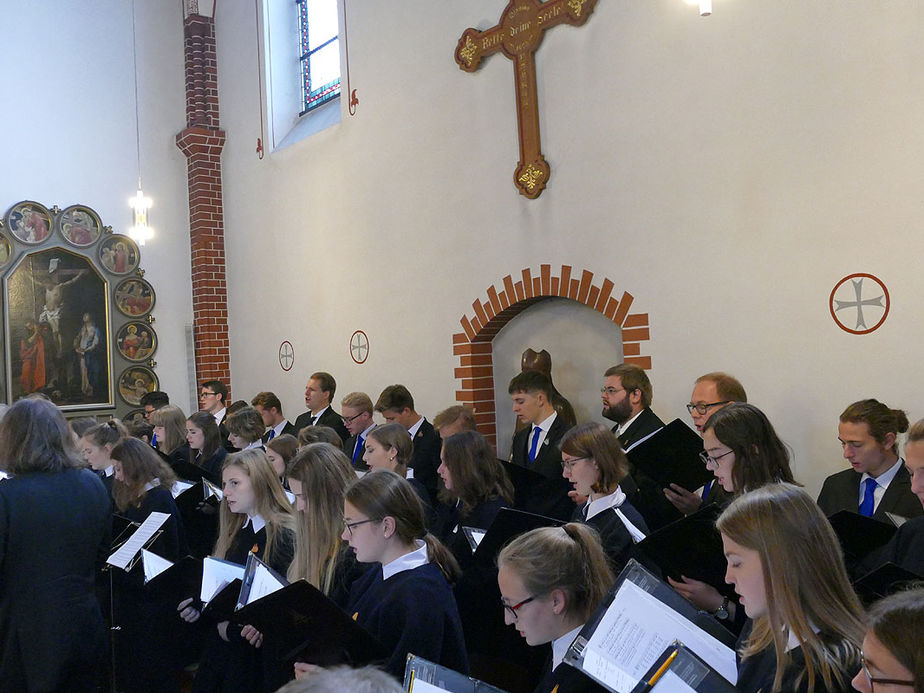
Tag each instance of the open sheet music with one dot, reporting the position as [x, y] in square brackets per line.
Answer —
[259, 580]
[679, 670]
[123, 557]
[423, 676]
[216, 574]
[633, 626]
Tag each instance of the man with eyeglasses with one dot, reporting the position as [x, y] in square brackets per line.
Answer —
[356, 410]
[213, 396]
[270, 409]
[711, 392]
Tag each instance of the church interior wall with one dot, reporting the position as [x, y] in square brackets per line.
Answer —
[68, 129]
[726, 171]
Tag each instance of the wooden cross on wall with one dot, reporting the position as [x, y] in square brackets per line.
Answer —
[517, 35]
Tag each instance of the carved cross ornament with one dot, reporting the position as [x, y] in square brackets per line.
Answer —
[518, 35]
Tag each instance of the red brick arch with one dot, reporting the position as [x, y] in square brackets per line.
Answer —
[505, 300]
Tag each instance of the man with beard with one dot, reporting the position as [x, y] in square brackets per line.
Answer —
[626, 395]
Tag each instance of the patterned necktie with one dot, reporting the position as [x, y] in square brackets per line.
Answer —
[869, 499]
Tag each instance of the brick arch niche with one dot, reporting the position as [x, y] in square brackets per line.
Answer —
[503, 301]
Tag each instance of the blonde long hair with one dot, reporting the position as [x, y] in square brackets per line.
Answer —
[805, 581]
[324, 473]
[269, 499]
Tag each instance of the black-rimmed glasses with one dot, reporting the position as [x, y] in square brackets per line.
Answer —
[709, 459]
[885, 682]
[350, 525]
[351, 419]
[703, 407]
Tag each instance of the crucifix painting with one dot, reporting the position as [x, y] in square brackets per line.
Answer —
[518, 34]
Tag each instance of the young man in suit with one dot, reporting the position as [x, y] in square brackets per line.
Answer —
[535, 447]
[397, 406]
[213, 398]
[454, 419]
[356, 409]
[319, 392]
[270, 409]
[877, 482]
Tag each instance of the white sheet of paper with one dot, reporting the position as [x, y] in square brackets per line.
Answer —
[209, 489]
[634, 632]
[671, 683]
[3, 475]
[419, 686]
[153, 564]
[124, 555]
[215, 575]
[263, 584]
[180, 486]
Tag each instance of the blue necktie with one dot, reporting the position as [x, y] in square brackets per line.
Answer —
[272, 434]
[869, 499]
[357, 451]
[154, 441]
[535, 444]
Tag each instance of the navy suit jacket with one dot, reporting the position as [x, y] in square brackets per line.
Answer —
[426, 458]
[552, 500]
[841, 491]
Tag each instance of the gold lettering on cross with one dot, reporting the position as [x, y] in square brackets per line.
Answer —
[517, 35]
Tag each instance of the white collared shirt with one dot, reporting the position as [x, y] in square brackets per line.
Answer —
[366, 432]
[109, 471]
[882, 482]
[315, 417]
[220, 415]
[279, 427]
[408, 561]
[561, 644]
[623, 427]
[255, 444]
[257, 522]
[544, 427]
[412, 431]
[612, 502]
[153, 483]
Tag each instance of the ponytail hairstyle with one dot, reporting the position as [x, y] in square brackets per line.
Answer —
[596, 442]
[324, 473]
[569, 558]
[205, 422]
[760, 456]
[477, 475]
[395, 436]
[898, 623]
[386, 494]
[140, 466]
[107, 433]
[173, 420]
[269, 499]
[805, 580]
[879, 418]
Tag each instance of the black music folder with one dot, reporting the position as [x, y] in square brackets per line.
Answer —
[181, 580]
[690, 546]
[306, 625]
[506, 525]
[883, 581]
[678, 670]
[637, 619]
[671, 455]
[419, 669]
[860, 535]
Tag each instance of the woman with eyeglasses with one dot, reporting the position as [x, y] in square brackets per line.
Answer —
[805, 621]
[551, 580]
[406, 602]
[893, 659]
[593, 461]
[744, 453]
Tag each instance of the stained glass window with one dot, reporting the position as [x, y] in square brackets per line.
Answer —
[319, 28]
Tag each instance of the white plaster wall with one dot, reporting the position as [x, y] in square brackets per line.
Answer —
[67, 129]
[727, 171]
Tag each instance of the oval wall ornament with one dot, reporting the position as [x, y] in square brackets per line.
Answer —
[859, 303]
[286, 355]
[359, 346]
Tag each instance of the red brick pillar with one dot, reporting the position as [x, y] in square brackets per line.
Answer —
[201, 142]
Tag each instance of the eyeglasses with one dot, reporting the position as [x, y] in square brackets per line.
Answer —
[568, 464]
[350, 525]
[207, 394]
[709, 459]
[610, 391]
[351, 419]
[885, 682]
[703, 407]
[512, 608]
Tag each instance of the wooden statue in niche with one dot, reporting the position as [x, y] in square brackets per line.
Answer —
[518, 35]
